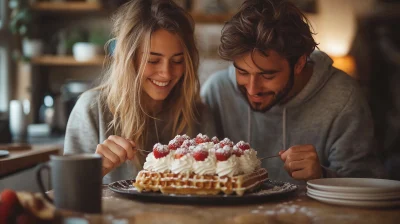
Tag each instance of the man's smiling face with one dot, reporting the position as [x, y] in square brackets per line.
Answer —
[265, 80]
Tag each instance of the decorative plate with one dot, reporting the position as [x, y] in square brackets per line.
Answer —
[269, 190]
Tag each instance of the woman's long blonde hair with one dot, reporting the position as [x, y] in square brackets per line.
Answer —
[121, 89]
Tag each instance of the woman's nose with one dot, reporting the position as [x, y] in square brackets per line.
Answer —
[165, 70]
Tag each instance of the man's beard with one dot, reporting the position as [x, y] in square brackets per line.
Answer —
[278, 97]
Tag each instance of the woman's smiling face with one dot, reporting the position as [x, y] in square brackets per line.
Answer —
[165, 65]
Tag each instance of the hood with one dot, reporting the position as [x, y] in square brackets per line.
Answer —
[322, 71]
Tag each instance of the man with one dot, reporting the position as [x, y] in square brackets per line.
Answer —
[285, 98]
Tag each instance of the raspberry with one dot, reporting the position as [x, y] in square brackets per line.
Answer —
[200, 138]
[223, 154]
[160, 150]
[243, 145]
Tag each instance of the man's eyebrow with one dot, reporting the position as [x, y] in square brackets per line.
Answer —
[159, 54]
[263, 71]
[238, 68]
[268, 71]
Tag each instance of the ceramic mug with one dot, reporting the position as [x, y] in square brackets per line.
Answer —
[76, 180]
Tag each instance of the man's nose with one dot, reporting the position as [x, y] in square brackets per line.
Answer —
[254, 85]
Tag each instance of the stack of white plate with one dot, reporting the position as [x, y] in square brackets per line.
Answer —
[360, 192]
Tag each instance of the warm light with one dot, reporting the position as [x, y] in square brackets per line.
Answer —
[346, 64]
[337, 48]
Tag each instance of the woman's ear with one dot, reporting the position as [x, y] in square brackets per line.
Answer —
[298, 68]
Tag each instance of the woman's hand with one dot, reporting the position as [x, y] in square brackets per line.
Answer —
[115, 150]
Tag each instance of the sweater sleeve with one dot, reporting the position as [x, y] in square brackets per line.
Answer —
[351, 149]
[82, 133]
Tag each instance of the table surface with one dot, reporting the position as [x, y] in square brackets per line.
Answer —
[294, 208]
[24, 157]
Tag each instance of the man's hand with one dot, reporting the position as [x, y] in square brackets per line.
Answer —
[301, 162]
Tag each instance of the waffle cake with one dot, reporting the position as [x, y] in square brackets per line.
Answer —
[201, 167]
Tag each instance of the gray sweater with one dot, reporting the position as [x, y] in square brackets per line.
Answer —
[329, 113]
[88, 126]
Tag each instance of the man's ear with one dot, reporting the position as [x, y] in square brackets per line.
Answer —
[298, 68]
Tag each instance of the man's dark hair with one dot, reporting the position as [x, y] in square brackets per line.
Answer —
[267, 25]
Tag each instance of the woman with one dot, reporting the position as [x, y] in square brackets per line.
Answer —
[149, 94]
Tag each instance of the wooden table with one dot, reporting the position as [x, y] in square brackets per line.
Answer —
[22, 158]
[297, 208]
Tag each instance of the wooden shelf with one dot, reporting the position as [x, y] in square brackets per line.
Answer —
[52, 60]
[211, 18]
[67, 6]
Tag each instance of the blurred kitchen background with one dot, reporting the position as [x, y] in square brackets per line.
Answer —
[52, 51]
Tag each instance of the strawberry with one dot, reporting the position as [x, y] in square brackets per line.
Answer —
[200, 138]
[215, 140]
[174, 144]
[200, 153]
[243, 145]
[180, 152]
[188, 143]
[223, 154]
[9, 206]
[237, 151]
[160, 150]
[185, 137]
[225, 142]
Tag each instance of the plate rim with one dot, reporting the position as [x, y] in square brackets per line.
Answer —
[351, 189]
[201, 199]
[357, 203]
[353, 196]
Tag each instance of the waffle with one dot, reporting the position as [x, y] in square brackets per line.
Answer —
[170, 183]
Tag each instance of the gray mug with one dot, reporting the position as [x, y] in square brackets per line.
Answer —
[76, 180]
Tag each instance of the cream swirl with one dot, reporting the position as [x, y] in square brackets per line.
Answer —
[183, 164]
[249, 161]
[206, 167]
[158, 165]
[229, 167]
[150, 161]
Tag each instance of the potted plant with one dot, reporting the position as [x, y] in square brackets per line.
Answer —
[91, 47]
[21, 25]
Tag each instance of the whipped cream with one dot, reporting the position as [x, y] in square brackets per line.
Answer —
[206, 167]
[230, 167]
[249, 161]
[183, 164]
[161, 165]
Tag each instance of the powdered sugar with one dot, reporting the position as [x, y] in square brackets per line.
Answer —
[204, 138]
[200, 148]
[161, 148]
[227, 141]
[182, 151]
[226, 150]
[243, 145]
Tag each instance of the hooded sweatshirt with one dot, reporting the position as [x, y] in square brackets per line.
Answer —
[88, 126]
[330, 113]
